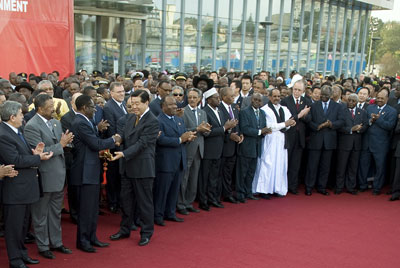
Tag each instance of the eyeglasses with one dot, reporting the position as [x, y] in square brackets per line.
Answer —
[177, 94]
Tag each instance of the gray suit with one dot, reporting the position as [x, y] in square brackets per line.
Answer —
[195, 152]
[46, 213]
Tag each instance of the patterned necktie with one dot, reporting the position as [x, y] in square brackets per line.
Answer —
[352, 113]
[297, 105]
[230, 112]
[137, 120]
[48, 123]
[360, 106]
[123, 108]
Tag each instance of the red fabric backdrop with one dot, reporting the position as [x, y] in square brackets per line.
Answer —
[36, 36]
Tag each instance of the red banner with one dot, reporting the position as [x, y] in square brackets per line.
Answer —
[36, 36]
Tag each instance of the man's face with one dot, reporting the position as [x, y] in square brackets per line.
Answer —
[235, 89]
[26, 92]
[164, 90]
[285, 92]
[325, 96]
[316, 94]
[93, 94]
[138, 84]
[351, 102]
[263, 76]
[138, 107]
[298, 89]
[181, 83]
[348, 86]
[118, 93]
[256, 101]
[214, 77]
[6, 87]
[90, 109]
[169, 106]
[178, 95]
[13, 78]
[33, 84]
[202, 85]
[193, 99]
[246, 85]
[381, 98]
[371, 90]
[229, 98]
[363, 95]
[48, 109]
[258, 87]
[345, 97]
[74, 88]
[16, 120]
[213, 100]
[275, 96]
[397, 91]
[49, 90]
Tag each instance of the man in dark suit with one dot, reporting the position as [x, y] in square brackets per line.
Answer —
[22, 190]
[299, 107]
[382, 119]
[231, 141]
[213, 147]
[113, 110]
[139, 137]
[195, 120]
[85, 171]
[164, 89]
[170, 161]
[363, 95]
[396, 178]
[393, 101]
[46, 213]
[349, 145]
[326, 118]
[253, 125]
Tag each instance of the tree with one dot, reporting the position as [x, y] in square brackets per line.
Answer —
[390, 65]
[390, 40]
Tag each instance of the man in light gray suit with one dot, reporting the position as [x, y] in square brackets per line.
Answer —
[195, 120]
[46, 213]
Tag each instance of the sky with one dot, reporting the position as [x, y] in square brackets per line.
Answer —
[389, 15]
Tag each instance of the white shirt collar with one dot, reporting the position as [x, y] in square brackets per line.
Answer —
[216, 108]
[244, 96]
[144, 113]
[44, 119]
[12, 127]
[296, 99]
[117, 102]
[225, 105]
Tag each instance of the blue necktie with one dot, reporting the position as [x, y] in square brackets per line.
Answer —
[325, 107]
[22, 137]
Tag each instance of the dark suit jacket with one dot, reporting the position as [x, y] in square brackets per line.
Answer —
[112, 112]
[397, 132]
[66, 120]
[393, 101]
[86, 163]
[348, 140]
[139, 146]
[230, 147]
[155, 106]
[299, 131]
[251, 145]
[325, 138]
[98, 115]
[170, 154]
[29, 115]
[214, 142]
[24, 188]
[377, 137]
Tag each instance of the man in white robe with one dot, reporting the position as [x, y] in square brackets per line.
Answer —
[271, 172]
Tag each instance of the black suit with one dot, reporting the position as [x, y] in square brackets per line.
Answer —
[228, 153]
[138, 169]
[396, 179]
[155, 106]
[85, 173]
[296, 138]
[349, 148]
[18, 192]
[112, 112]
[213, 147]
[322, 143]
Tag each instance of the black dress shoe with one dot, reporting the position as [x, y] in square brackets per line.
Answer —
[47, 254]
[62, 249]
[295, 192]
[29, 238]
[394, 198]
[183, 211]
[191, 209]
[308, 193]
[29, 260]
[119, 236]
[87, 249]
[159, 223]
[323, 192]
[242, 200]
[265, 196]
[376, 192]
[353, 192]
[22, 265]
[100, 244]
[175, 219]
[231, 200]
[363, 190]
[133, 227]
[337, 192]
[144, 241]
[204, 207]
[64, 211]
[252, 197]
[217, 205]
[74, 221]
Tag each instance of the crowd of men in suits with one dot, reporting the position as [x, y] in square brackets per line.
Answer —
[168, 140]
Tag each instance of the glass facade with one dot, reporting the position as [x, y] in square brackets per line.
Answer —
[305, 35]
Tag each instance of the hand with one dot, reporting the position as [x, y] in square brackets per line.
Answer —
[203, 127]
[102, 125]
[329, 124]
[8, 171]
[159, 134]
[58, 108]
[356, 128]
[291, 122]
[230, 124]
[374, 117]
[117, 155]
[188, 136]
[304, 112]
[235, 137]
[241, 139]
[39, 148]
[266, 130]
[117, 139]
[323, 125]
[66, 138]
[46, 156]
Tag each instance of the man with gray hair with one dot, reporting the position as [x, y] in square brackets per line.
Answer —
[60, 105]
[23, 190]
[349, 145]
[6, 87]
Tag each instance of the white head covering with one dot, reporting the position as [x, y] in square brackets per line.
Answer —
[210, 92]
[295, 79]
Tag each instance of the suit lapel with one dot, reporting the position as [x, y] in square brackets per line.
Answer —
[171, 123]
[43, 125]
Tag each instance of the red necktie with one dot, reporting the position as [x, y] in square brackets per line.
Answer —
[297, 105]
[352, 113]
